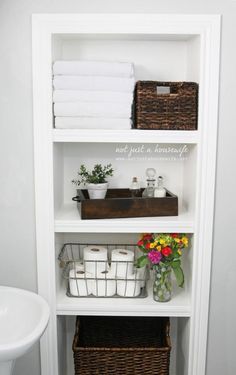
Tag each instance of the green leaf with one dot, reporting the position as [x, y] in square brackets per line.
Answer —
[176, 264]
[98, 174]
[179, 275]
[142, 261]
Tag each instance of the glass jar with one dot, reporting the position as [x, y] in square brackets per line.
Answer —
[160, 191]
[151, 182]
[135, 188]
[162, 286]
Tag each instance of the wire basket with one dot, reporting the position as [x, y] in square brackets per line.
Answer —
[102, 278]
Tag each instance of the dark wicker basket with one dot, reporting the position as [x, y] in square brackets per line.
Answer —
[176, 110]
[121, 346]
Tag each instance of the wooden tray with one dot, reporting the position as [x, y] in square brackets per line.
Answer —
[119, 203]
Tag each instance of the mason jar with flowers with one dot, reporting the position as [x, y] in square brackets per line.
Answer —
[163, 252]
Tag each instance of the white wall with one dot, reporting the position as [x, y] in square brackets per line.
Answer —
[17, 223]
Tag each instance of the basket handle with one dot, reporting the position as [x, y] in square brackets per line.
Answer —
[76, 199]
[163, 90]
[167, 91]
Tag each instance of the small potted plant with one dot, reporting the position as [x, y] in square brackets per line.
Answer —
[95, 179]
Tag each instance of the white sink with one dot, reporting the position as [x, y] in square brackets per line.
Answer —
[23, 318]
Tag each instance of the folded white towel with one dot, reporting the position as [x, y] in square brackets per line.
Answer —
[94, 83]
[92, 123]
[94, 68]
[60, 96]
[86, 109]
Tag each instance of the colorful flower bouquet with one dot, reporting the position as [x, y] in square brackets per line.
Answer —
[163, 252]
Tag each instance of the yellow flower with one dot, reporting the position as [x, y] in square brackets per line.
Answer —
[177, 240]
[179, 251]
[159, 248]
[162, 241]
[185, 241]
[152, 245]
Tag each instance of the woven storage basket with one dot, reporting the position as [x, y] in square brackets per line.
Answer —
[176, 110]
[121, 346]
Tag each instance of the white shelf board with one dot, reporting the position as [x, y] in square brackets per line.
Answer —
[67, 219]
[126, 136]
[178, 306]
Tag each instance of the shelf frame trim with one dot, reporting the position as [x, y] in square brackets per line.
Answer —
[208, 28]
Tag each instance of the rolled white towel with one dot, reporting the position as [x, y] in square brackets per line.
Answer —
[92, 123]
[95, 109]
[94, 83]
[65, 96]
[97, 68]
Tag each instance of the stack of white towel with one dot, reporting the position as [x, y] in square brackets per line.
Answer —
[93, 95]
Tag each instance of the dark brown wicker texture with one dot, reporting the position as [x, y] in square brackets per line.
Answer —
[119, 203]
[121, 346]
[176, 110]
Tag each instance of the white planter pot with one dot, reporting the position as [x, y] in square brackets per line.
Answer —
[97, 191]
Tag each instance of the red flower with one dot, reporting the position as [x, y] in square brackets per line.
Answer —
[174, 235]
[140, 243]
[147, 245]
[166, 251]
[147, 237]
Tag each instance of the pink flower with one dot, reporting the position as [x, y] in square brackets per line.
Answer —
[154, 256]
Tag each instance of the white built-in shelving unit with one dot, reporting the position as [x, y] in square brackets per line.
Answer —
[163, 48]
